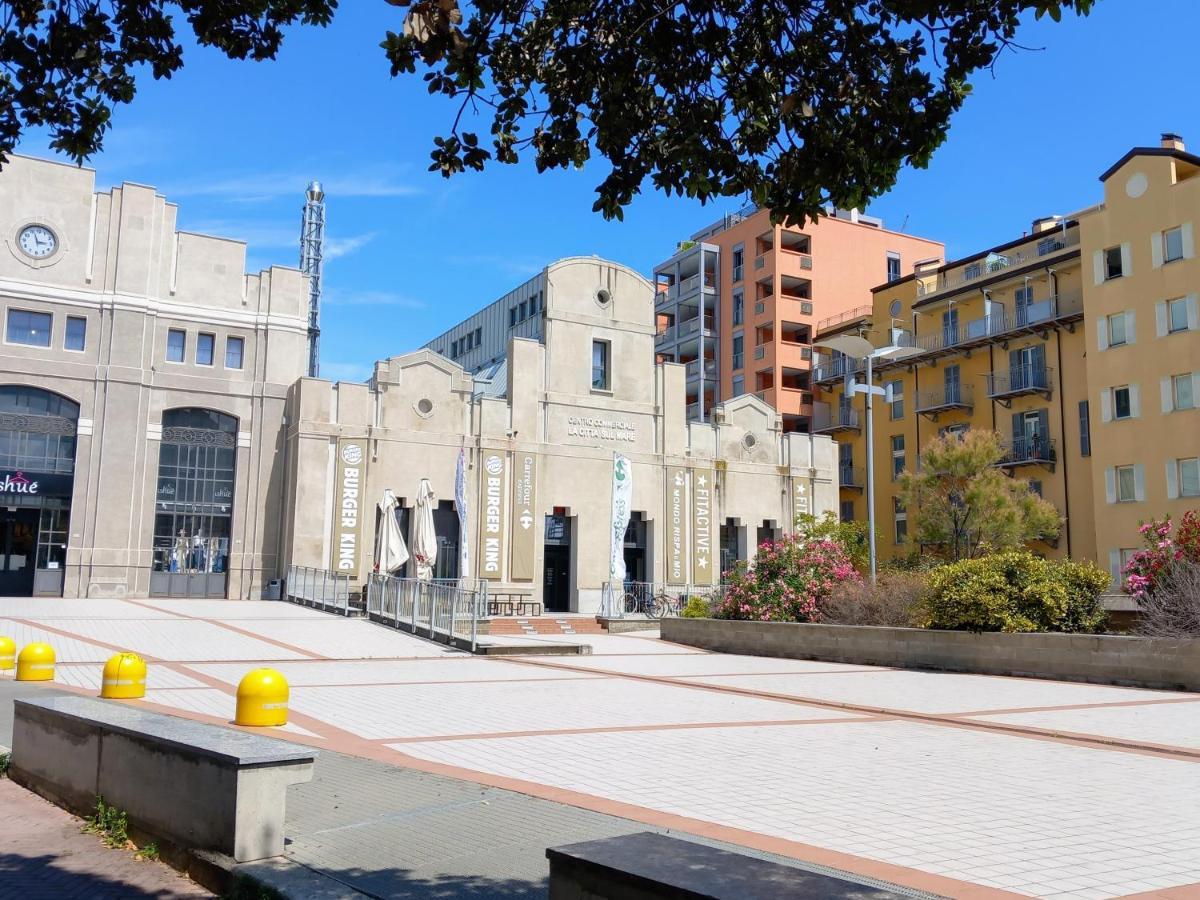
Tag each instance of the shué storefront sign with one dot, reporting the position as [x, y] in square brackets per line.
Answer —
[17, 483]
[347, 516]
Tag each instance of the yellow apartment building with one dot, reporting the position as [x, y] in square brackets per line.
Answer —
[1078, 342]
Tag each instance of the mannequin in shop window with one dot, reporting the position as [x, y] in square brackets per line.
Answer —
[179, 552]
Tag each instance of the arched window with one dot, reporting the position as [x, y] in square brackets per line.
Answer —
[194, 502]
[37, 430]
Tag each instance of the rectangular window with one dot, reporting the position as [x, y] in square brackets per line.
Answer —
[1181, 389]
[1035, 486]
[478, 337]
[1177, 315]
[972, 271]
[957, 430]
[1172, 244]
[523, 311]
[739, 259]
[1085, 430]
[32, 328]
[1122, 407]
[739, 307]
[893, 266]
[739, 351]
[1189, 477]
[234, 352]
[847, 510]
[204, 349]
[896, 403]
[76, 338]
[739, 385]
[512, 316]
[1112, 263]
[1126, 484]
[900, 517]
[600, 373]
[897, 456]
[1116, 329]
[176, 345]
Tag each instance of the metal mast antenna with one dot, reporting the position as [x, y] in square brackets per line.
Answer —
[312, 245]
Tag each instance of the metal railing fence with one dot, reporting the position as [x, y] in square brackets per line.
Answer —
[653, 600]
[439, 610]
[319, 588]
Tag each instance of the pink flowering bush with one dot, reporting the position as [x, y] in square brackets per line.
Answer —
[789, 581]
[1161, 552]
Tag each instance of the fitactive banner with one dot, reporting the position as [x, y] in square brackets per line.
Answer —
[702, 526]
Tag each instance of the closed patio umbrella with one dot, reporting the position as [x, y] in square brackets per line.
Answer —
[390, 552]
[425, 539]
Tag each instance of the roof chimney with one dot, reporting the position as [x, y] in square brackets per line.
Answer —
[1172, 141]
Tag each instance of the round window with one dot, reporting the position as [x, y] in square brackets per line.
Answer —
[603, 297]
[749, 441]
[424, 406]
[894, 309]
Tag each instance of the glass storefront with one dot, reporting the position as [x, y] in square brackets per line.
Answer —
[193, 506]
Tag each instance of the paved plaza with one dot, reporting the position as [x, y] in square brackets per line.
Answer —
[956, 785]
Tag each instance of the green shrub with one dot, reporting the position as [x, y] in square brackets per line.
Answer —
[696, 608]
[5, 760]
[1016, 591]
[109, 822]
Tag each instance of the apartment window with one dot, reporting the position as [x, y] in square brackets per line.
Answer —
[847, 510]
[895, 391]
[900, 518]
[739, 385]
[478, 337]
[1085, 430]
[512, 316]
[523, 314]
[972, 271]
[893, 266]
[739, 307]
[1182, 392]
[235, 351]
[1118, 334]
[897, 456]
[1122, 402]
[600, 369]
[454, 349]
[1188, 473]
[760, 308]
[1035, 486]
[1172, 244]
[957, 430]
[1126, 478]
[739, 259]
[739, 351]
[32, 328]
[76, 338]
[1112, 263]
[1177, 315]
[176, 345]
[204, 349]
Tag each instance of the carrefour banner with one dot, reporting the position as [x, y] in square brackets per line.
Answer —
[622, 501]
[524, 518]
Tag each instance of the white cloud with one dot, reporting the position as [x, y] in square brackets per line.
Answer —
[339, 247]
[254, 187]
[342, 297]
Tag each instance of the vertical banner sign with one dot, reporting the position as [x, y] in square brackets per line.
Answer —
[520, 567]
[702, 526]
[492, 521]
[801, 499]
[622, 500]
[347, 502]
[460, 504]
[677, 525]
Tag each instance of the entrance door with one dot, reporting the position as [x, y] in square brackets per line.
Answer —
[556, 587]
[18, 551]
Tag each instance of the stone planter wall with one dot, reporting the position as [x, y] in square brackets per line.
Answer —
[1103, 659]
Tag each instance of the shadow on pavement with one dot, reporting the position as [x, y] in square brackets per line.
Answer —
[30, 877]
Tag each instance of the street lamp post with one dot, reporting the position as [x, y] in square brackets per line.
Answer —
[860, 348]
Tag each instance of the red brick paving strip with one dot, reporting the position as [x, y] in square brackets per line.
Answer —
[43, 854]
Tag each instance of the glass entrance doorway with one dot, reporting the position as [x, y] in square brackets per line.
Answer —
[556, 582]
[18, 546]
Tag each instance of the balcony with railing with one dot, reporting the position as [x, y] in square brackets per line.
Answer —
[851, 477]
[847, 319]
[665, 334]
[1042, 247]
[1029, 450]
[688, 327]
[794, 401]
[947, 398]
[828, 419]
[831, 370]
[1019, 381]
[694, 369]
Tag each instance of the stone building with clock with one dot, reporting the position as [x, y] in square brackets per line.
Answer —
[158, 435]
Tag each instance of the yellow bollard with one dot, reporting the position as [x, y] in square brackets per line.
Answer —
[8, 653]
[36, 663]
[124, 677]
[262, 699]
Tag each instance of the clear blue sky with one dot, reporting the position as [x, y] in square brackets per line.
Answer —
[234, 144]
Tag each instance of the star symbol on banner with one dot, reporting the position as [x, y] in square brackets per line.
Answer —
[702, 481]
[800, 488]
[702, 563]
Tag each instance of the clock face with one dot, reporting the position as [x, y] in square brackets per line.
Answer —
[38, 241]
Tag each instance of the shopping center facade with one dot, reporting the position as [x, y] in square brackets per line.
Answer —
[158, 435]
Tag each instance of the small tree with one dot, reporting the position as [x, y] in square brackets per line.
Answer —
[961, 505]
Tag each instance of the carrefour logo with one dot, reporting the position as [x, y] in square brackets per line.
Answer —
[352, 454]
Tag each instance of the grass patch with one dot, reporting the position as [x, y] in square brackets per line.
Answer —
[110, 823]
[5, 762]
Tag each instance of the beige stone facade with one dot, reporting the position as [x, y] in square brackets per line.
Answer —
[566, 409]
[143, 379]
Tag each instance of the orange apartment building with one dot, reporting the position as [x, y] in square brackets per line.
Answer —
[739, 302]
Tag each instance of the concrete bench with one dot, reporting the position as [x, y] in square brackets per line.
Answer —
[648, 866]
[198, 786]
